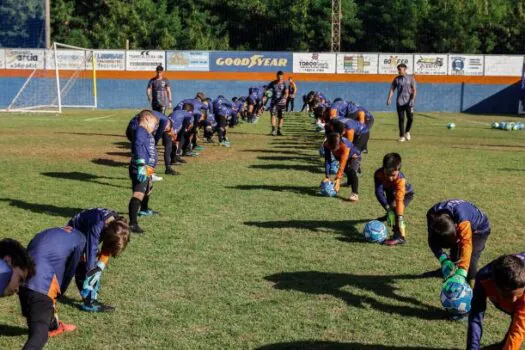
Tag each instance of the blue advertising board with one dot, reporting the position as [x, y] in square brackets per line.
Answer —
[243, 61]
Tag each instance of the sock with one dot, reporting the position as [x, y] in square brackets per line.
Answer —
[134, 205]
[144, 204]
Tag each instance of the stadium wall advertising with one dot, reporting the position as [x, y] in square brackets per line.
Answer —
[243, 61]
[110, 60]
[145, 60]
[357, 63]
[430, 64]
[66, 59]
[503, 65]
[465, 64]
[316, 62]
[388, 62]
[24, 59]
[2, 58]
[188, 61]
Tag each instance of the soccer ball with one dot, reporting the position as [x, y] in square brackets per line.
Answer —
[334, 167]
[509, 126]
[515, 127]
[327, 189]
[375, 231]
[268, 94]
[503, 125]
[495, 125]
[520, 125]
[458, 299]
[451, 126]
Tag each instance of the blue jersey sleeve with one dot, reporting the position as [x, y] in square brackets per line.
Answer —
[71, 267]
[140, 144]
[475, 319]
[436, 249]
[380, 190]
[327, 160]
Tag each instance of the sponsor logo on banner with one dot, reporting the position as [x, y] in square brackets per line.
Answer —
[465, 65]
[145, 60]
[24, 59]
[510, 66]
[357, 63]
[188, 61]
[229, 61]
[66, 59]
[109, 60]
[2, 59]
[431, 64]
[388, 63]
[314, 63]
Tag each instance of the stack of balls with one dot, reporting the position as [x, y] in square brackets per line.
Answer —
[509, 126]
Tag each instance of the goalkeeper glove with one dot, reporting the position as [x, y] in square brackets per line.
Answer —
[460, 276]
[91, 284]
[142, 173]
[390, 216]
[447, 266]
[401, 225]
[337, 185]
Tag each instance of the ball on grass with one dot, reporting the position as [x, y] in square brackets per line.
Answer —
[375, 231]
[495, 125]
[451, 126]
[457, 299]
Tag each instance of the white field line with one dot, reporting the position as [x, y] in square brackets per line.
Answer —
[98, 118]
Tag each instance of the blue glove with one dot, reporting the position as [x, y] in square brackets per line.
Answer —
[447, 266]
[95, 306]
[142, 172]
[91, 284]
[460, 276]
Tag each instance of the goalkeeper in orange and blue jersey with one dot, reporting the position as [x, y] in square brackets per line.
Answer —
[464, 229]
[394, 193]
[503, 283]
[349, 158]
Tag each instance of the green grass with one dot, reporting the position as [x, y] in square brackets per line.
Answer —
[244, 253]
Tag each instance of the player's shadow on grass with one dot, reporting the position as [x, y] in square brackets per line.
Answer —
[510, 169]
[333, 345]
[304, 190]
[322, 283]
[123, 144]
[346, 229]
[120, 154]
[12, 331]
[315, 169]
[85, 177]
[109, 162]
[48, 209]
[305, 158]
[272, 151]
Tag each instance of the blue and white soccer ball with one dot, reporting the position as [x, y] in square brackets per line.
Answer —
[495, 125]
[457, 301]
[503, 125]
[451, 126]
[520, 125]
[334, 167]
[375, 231]
[327, 189]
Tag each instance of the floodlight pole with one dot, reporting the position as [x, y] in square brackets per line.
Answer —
[47, 19]
[336, 26]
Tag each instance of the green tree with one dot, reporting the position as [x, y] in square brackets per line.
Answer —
[22, 23]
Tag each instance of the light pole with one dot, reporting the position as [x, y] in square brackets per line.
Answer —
[47, 21]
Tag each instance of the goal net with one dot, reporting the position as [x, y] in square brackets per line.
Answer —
[68, 80]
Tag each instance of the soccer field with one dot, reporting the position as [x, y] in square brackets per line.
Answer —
[245, 254]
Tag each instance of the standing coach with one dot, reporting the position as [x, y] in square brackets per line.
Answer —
[406, 95]
[159, 92]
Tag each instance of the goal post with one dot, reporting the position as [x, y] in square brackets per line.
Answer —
[67, 80]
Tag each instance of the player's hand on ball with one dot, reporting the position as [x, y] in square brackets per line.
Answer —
[460, 276]
[447, 266]
[326, 179]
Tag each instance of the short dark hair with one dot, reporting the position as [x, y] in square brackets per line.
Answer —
[338, 126]
[115, 237]
[159, 68]
[333, 139]
[441, 229]
[200, 96]
[19, 255]
[234, 99]
[338, 99]
[392, 161]
[401, 65]
[187, 107]
[280, 73]
[508, 272]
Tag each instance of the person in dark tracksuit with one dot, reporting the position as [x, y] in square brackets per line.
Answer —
[56, 253]
[406, 96]
[141, 168]
[107, 235]
[159, 91]
[279, 97]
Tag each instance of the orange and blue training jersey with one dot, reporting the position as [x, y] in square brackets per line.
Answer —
[91, 223]
[353, 129]
[343, 155]
[484, 289]
[388, 191]
[143, 147]
[56, 253]
[469, 220]
[338, 109]
[362, 115]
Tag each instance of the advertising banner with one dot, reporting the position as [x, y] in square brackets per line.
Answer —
[66, 59]
[2, 59]
[314, 62]
[357, 63]
[145, 60]
[230, 61]
[188, 61]
[388, 62]
[109, 60]
[503, 65]
[24, 58]
[465, 65]
[430, 64]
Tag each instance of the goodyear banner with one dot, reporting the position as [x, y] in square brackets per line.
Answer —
[357, 63]
[465, 65]
[24, 59]
[431, 64]
[388, 62]
[188, 60]
[230, 61]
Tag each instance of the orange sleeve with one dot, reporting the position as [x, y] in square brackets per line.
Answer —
[516, 333]
[333, 113]
[361, 117]
[349, 134]
[103, 257]
[342, 162]
[465, 244]
[400, 191]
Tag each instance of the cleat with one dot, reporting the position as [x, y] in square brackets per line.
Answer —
[279, 133]
[135, 228]
[148, 212]
[198, 148]
[171, 171]
[402, 139]
[155, 178]
[365, 150]
[407, 136]
[274, 133]
[225, 144]
[95, 306]
[354, 197]
[395, 241]
[62, 328]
